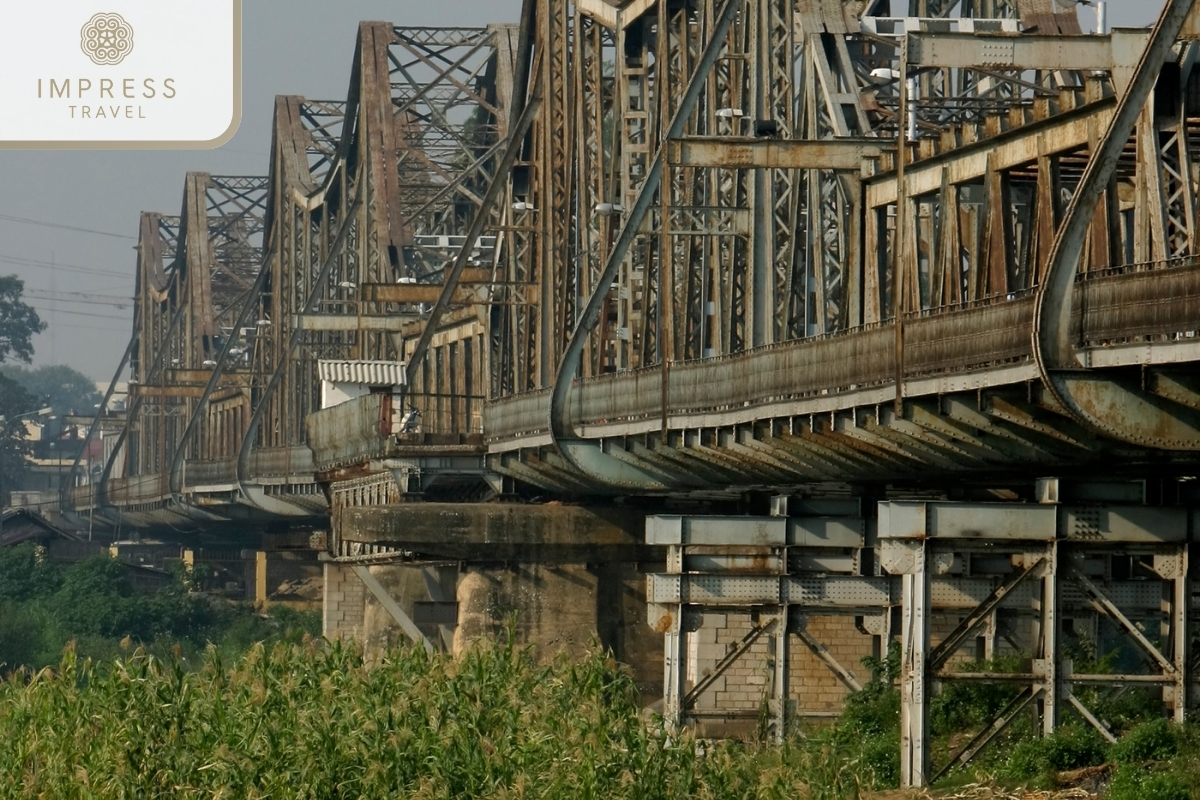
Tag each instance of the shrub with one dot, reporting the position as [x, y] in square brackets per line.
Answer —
[45, 605]
[1070, 747]
[25, 573]
[21, 639]
[867, 734]
[1151, 741]
[1134, 782]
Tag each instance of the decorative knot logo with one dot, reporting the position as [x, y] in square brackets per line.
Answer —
[107, 39]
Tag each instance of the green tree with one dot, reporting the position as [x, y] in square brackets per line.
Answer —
[26, 573]
[64, 389]
[14, 401]
[18, 321]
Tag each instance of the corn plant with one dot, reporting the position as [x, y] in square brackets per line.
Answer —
[316, 721]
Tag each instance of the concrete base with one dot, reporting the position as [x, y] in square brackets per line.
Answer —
[566, 577]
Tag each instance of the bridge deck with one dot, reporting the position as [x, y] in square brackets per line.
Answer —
[1145, 315]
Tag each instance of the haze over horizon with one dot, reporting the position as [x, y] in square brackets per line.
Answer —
[79, 267]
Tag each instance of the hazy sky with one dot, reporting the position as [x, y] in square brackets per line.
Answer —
[300, 47]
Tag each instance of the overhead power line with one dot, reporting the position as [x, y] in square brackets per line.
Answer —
[91, 328]
[93, 300]
[60, 226]
[115, 317]
[55, 266]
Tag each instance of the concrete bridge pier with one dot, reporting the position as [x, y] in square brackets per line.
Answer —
[449, 574]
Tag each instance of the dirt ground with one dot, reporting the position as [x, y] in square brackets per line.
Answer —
[1080, 784]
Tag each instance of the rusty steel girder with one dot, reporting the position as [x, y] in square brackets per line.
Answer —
[374, 191]
[716, 224]
[194, 272]
[954, 145]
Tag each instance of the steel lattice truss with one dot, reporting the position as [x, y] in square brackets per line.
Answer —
[838, 167]
[336, 255]
[195, 272]
[722, 188]
[750, 257]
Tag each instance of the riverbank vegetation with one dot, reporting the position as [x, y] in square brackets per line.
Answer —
[44, 605]
[312, 719]
[112, 693]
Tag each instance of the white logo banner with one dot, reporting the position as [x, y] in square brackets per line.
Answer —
[121, 73]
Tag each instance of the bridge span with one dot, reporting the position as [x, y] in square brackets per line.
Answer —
[735, 325]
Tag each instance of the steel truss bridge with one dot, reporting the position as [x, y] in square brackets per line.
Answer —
[912, 251]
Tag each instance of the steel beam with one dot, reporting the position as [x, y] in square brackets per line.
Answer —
[970, 162]
[1024, 52]
[351, 322]
[845, 155]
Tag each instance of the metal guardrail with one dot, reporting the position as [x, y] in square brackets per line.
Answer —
[1154, 300]
[137, 489]
[827, 365]
[281, 462]
[360, 428]
[1115, 305]
[1157, 302]
[209, 473]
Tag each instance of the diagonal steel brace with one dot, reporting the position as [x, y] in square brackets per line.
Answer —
[820, 651]
[1092, 719]
[954, 640]
[991, 730]
[1102, 604]
[725, 663]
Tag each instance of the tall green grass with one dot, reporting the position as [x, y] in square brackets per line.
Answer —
[315, 721]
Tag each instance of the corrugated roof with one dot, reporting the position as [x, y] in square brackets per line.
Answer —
[368, 373]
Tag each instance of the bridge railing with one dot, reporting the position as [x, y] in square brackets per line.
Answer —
[294, 464]
[1134, 302]
[282, 462]
[210, 473]
[984, 334]
[137, 489]
[1155, 300]
[81, 497]
[364, 427]
[979, 335]
[1141, 266]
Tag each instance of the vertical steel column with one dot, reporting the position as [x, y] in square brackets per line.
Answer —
[675, 653]
[761, 303]
[780, 644]
[1181, 634]
[1047, 666]
[914, 682]
[900, 240]
[989, 636]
